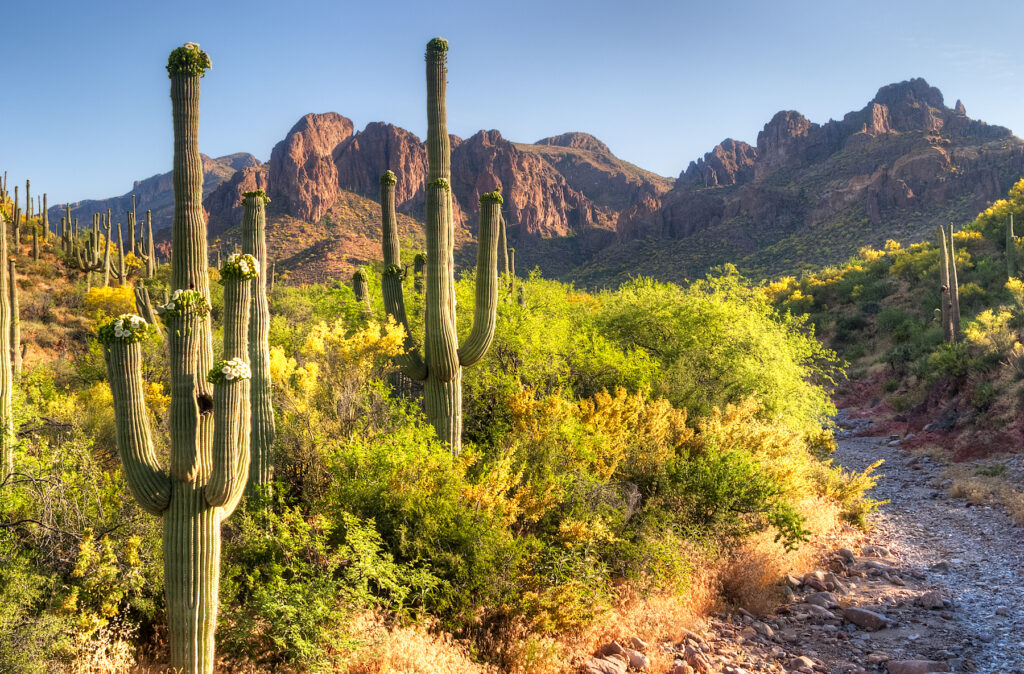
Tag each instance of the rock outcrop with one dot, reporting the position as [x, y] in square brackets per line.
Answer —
[224, 204]
[303, 177]
[577, 140]
[731, 162]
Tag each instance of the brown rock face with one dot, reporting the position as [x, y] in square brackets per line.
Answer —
[779, 143]
[303, 177]
[575, 139]
[731, 162]
[224, 205]
[380, 147]
[538, 199]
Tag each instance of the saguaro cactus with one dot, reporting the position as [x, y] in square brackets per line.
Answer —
[263, 428]
[502, 251]
[12, 285]
[440, 366]
[419, 269]
[6, 376]
[954, 288]
[209, 412]
[361, 288]
[1011, 249]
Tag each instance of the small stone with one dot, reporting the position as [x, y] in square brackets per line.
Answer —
[613, 648]
[823, 599]
[1003, 611]
[793, 582]
[800, 662]
[939, 567]
[876, 658]
[862, 617]
[916, 666]
[874, 551]
[638, 660]
[638, 644]
[682, 668]
[847, 555]
[612, 665]
[931, 599]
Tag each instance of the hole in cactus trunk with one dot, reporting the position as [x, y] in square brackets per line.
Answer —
[205, 401]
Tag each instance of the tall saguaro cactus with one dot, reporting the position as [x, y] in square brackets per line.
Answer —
[263, 427]
[440, 365]
[6, 376]
[1011, 249]
[209, 411]
[950, 291]
[12, 285]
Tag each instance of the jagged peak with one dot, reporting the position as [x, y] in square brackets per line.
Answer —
[577, 140]
[909, 91]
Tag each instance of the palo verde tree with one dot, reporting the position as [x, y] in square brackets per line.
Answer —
[440, 365]
[209, 411]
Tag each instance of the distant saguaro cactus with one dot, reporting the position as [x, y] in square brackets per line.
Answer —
[361, 289]
[209, 412]
[949, 287]
[6, 375]
[12, 285]
[263, 426]
[419, 268]
[440, 366]
[1011, 249]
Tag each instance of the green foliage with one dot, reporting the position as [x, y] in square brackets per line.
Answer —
[188, 60]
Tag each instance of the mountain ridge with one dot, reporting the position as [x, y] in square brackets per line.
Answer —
[891, 169]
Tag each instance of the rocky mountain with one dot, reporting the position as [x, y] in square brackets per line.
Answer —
[809, 194]
[157, 193]
[804, 195]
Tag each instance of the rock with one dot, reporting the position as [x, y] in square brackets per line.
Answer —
[847, 555]
[638, 660]
[303, 177]
[613, 648]
[862, 617]
[818, 612]
[939, 567]
[682, 668]
[613, 665]
[916, 666]
[224, 204]
[816, 579]
[877, 658]
[874, 551]
[638, 644]
[581, 141]
[800, 662]
[823, 599]
[793, 582]
[697, 660]
[931, 599]
[731, 162]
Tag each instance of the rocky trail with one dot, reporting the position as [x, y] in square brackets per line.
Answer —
[934, 587]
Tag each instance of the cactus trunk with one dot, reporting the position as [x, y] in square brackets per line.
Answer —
[150, 248]
[944, 301]
[954, 288]
[6, 376]
[1011, 249]
[12, 281]
[263, 426]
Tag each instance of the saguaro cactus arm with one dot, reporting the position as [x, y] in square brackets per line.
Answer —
[121, 339]
[486, 304]
[231, 380]
[411, 362]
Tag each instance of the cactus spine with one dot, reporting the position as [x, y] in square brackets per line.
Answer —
[15, 336]
[1011, 249]
[209, 459]
[440, 366]
[263, 428]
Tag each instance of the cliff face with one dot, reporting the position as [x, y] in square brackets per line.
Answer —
[224, 204]
[303, 177]
[157, 193]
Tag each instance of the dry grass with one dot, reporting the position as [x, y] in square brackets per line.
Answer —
[987, 489]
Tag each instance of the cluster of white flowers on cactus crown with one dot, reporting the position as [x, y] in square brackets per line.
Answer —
[229, 370]
[126, 327]
[243, 266]
[185, 301]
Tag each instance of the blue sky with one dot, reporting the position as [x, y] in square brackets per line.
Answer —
[84, 108]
